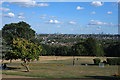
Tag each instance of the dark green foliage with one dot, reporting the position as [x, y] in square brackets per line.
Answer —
[105, 62]
[79, 49]
[17, 30]
[5, 49]
[63, 51]
[96, 61]
[113, 61]
[49, 50]
[90, 45]
[113, 49]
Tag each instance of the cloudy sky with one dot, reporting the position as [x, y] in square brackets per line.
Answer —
[63, 17]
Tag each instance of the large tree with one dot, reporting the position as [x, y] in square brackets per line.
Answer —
[17, 30]
[78, 49]
[26, 51]
[90, 45]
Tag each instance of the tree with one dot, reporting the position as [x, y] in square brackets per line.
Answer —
[90, 45]
[26, 51]
[17, 30]
[113, 50]
[4, 49]
[99, 50]
[78, 49]
[62, 51]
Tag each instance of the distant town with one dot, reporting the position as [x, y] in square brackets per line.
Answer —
[70, 39]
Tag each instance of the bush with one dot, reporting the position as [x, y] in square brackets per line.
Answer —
[96, 61]
[118, 61]
[104, 62]
[113, 61]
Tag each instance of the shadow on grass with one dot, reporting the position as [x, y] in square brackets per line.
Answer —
[12, 68]
[104, 77]
[24, 71]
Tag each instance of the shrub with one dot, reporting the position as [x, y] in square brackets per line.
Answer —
[104, 62]
[96, 61]
[118, 61]
[113, 61]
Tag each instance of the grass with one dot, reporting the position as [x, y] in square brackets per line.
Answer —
[66, 71]
[63, 71]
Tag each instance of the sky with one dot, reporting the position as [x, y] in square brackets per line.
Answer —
[63, 17]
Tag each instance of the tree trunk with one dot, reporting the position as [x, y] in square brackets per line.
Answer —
[2, 60]
[10, 60]
[26, 65]
[27, 68]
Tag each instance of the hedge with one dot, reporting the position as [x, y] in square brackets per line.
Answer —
[96, 61]
[113, 61]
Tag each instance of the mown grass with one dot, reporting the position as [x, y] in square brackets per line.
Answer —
[65, 71]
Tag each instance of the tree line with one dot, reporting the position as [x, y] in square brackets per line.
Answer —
[89, 47]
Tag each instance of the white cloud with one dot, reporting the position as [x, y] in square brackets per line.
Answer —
[97, 3]
[1, 2]
[21, 17]
[27, 3]
[118, 1]
[93, 12]
[20, 14]
[72, 22]
[56, 21]
[109, 12]
[4, 9]
[79, 8]
[10, 15]
[53, 21]
[94, 23]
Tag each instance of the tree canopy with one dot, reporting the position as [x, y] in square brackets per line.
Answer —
[17, 30]
[26, 51]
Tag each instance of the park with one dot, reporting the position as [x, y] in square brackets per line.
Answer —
[23, 55]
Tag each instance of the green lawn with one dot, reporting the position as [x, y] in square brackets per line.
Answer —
[65, 71]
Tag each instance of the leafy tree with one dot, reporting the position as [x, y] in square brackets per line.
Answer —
[62, 51]
[79, 49]
[113, 50]
[4, 49]
[90, 45]
[99, 50]
[49, 50]
[26, 51]
[17, 30]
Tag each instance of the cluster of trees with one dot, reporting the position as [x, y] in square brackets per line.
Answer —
[89, 47]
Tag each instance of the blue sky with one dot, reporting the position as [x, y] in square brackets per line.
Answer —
[64, 17]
